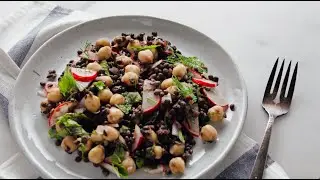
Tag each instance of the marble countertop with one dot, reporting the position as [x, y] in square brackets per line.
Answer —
[254, 34]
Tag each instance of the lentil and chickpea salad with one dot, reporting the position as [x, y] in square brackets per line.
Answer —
[131, 103]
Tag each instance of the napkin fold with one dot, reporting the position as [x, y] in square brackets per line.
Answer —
[22, 33]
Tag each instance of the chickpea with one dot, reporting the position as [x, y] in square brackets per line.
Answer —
[216, 113]
[44, 105]
[91, 102]
[117, 99]
[96, 154]
[177, 149]
[89, 145]
[133, 43]
[102, 42]
[104, 53]
[130, 78]
[179, 71]
[123, 60]
[129, 165]
[115, 115]
[105, 95]
[166, 83]
[132, 68]
[54, 95]
[177, 165]
[68, 144]
[106, 79]
[158, 151]
[94, 66]
[110, 133]
[172, 90]
[152, 136]
[145, 56]
[208, 133]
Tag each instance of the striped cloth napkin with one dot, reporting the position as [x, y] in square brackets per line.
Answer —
[21, 34]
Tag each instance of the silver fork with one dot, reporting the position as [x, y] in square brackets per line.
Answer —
[275, 106]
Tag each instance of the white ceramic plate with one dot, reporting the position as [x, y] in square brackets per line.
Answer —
[30, 127]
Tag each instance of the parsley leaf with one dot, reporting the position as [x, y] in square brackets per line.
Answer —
[53, 134]
[181, 137]
[139, 162]
[132, 97]
[191, 62]
[125, 108]
[120, 170]
[116, 158]
[141, 48]
[105, 66]
[184, 89]
[99, 85]
[68, 123]
[67, 84]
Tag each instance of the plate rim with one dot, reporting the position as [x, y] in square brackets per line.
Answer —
[18, 137]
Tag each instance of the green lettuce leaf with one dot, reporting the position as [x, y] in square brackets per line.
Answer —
[67, 84]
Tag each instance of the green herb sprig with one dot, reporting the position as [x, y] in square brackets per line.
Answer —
[191, 62]
[184, 90]
[142, 48]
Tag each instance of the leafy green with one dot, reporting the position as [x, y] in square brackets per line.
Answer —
[68, 123]
[82, 149]
[125, 108]
[105, 67]
[67, 84]
[120, 170]
[181, 137]
[191, 62]
[141, 48]
[99, 85]
[57, 135]
[123, 129]
[116, 158]
[132, 97]
[184, 89]
[139, 162]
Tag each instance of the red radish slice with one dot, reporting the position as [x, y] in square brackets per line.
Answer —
[156, 64]
[204, 82]
[147, 85]
[187, 126]
[60, 111]
[216, 99]
[83, 75]
[195, 74]
[193, 121]
[89, 55]
[150, 102]
[49, 86]
[138, 138]
[82, 85]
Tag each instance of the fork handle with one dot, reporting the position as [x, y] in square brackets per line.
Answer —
[259, 164]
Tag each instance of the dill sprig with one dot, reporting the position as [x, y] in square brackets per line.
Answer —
[105, 66]
[191, 62]
[184, 90]
[87, 44]
[141, 48]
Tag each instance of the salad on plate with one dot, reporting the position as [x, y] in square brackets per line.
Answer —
[133, 103]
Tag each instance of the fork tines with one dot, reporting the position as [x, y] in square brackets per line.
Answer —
[274, 92]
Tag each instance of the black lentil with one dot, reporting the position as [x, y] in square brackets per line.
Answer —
[232, 107]
[155, 34]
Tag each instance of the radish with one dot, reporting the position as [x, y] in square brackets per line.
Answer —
[175, 130]
[192, 123]
[89, 55]
[216, 99]
[82, 85]
[138, 138]
[83, 75]
[204, 82]
[60, 111]
[195, 74]
[147, 85]
[156, 64]
[150, 102]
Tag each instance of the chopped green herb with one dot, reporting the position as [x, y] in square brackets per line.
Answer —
[132, 97]
[181, 137]
[192, 62]
[184, 89]
[58, 135]
[116, 158]
[139, 162]
[69, 124]
[151, 101]
[99, 85]
[125, 108]
[67, 84]
[141, 48]
[82, 149]
[120, 170]
[105, 66]
[123, 129]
